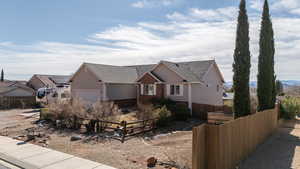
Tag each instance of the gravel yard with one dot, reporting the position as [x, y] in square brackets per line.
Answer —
[172, 146]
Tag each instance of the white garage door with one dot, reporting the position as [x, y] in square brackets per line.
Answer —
[88, 95]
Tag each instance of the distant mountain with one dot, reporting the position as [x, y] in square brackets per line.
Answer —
[286, 83]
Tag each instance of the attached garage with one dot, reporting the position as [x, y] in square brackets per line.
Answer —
[87, 95]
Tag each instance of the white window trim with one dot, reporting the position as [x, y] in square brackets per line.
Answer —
[181, 87]
[145, 94]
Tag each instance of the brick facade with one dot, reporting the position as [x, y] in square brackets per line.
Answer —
[148, 79]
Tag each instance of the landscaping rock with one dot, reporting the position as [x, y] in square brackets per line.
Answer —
[151, 162]
[76, 138]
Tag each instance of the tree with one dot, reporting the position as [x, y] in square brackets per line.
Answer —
[2, 76]
[241, 65]
[266, 91]
[279, 88]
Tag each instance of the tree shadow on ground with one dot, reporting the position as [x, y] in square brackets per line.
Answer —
[279, 151]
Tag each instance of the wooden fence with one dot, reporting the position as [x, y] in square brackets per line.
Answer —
[224, 146]
[125, 129]
[7, 102]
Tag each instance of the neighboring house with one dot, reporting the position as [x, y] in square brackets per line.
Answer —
[59, 84]
[14, 94]
[48, 81]
[11, 88]
[195, 83]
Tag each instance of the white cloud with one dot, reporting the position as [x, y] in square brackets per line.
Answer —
[154, 3]
[257, 4]
[139, 4]
[286, 4]
[196, 14]
[185, 37]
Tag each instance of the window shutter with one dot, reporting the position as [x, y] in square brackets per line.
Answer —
[181, 90]
[142, 89]
[168, 90]
[154, 86]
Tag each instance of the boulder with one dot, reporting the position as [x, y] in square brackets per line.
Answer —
[75, 138]
[151, 162]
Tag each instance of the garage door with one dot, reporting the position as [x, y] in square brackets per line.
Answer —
[88, 95]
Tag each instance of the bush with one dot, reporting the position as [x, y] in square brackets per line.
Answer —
[160, 102]
[180, 112]
[163, 115]
[290, 107]
[46, 115]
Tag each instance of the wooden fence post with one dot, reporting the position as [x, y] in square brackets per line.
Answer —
[124, 123]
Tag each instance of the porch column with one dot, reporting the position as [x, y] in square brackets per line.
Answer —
[104, 94]
[190, 103]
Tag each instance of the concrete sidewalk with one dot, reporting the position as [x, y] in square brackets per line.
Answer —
[31, 156]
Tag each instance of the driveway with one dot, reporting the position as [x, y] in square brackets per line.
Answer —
[280, 151]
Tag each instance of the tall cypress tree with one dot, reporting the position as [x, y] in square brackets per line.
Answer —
[266, 88]
[241, 65]
[2, 76]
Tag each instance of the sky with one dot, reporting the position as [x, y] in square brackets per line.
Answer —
[56, 37]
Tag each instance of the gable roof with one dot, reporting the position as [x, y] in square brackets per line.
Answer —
[193, 71]
[53, 79]
[6, 87]
[113, 74]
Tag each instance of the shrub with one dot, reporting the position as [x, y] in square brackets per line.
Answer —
[160, 102]
[180, 112]
[290, 107]
[145, 112]
[163, 115]
[45, 114]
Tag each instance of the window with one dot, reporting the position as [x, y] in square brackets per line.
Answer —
[218, 88]
[148, 89]
[175, 90]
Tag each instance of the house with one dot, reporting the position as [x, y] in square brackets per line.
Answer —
[198, 83]
[93, 82]
[14, 94]
[58, 85]
[48, 81]
[12, 88]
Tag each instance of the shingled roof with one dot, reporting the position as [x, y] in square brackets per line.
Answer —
[8, 86]
[193, 71]
[113, 74]
[53, 79]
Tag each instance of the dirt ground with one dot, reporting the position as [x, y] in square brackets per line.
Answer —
[172, 145]
[281, 151]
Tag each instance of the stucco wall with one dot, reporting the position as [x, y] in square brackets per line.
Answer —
[35, 83]
[170, 77]
[166, 74]
[19, 92]
[86, 86]
[183, 98]
[207, 93]
[121, 91]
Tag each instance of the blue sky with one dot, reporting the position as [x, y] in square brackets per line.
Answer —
[55, 37]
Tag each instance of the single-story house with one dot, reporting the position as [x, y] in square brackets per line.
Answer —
[12, 88]
[58, 84]
[196, 83]
[14, 94]
[48, 81]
